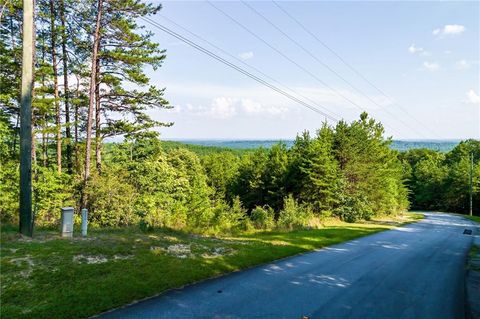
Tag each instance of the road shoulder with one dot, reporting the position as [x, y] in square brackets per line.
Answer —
[472, 281]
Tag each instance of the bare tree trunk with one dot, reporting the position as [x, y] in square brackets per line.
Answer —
[77, 155]
[44, 148]
[34, 141]
[55, 86]
[66, 91]
[98, 136]
[93, 77]
[26, 220]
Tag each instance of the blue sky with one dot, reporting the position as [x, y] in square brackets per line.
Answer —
[423, 55]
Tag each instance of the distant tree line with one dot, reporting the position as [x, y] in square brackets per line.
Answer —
[441, 181]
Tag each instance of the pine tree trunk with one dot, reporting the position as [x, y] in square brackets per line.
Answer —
[55, 86]
[93, 77]
[66, 92]
[34, 142]
[98, 136]
[77, 155]
[44, 147]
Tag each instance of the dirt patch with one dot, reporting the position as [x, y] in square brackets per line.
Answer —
[89, 259]
[22, 262]
[179, 250]
[218, 252]
[122, 257]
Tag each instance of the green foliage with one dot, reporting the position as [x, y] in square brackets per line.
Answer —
[441, 181]
[9, 191]
[370, 168]
[51, 192]
[348, 171]
[111, 198]
[221, 169]
[354, 208]
[314, 172]
[293, 215]
[263, 217]
[230, 218]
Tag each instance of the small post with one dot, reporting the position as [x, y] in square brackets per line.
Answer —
[67, 222]
[84, 222]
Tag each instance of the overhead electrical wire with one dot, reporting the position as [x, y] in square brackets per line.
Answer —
[325, 65]
[235, 67]
[336, 92]
[284, 86]
[354, 70]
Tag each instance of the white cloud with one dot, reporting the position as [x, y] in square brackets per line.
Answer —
[252, 107]
[223, 108]
[430, 66]
[245, 55]
[472, 98]
[449, 29]
[258, 101]
[414, 49]
[453, 29]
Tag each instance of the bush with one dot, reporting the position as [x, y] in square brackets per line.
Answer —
[293, 215]
[51, 192]
[9, 192]
[111, 199]
[230, 218]
[263, 217]
[354, 208]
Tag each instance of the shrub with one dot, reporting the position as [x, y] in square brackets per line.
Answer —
[230, 218]
[9, 192]
[263, 217]
[51, 192]
[293, 215]
[354, 208]
[111, 199]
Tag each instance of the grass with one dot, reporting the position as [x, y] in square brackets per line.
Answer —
[51, 277]
[475, 250]
[474, 218]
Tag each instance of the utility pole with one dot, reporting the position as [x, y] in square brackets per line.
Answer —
[471, 184]
[26, 220]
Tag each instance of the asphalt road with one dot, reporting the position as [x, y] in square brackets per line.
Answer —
[416, 271]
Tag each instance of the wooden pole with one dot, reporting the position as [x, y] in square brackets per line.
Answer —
[26, 220]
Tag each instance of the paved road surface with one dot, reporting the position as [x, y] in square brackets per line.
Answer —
[415, 271]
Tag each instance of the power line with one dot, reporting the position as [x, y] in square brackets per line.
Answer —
[350, 66]
[235, 67]
[289, 59]
[250, 66]
[326, 65]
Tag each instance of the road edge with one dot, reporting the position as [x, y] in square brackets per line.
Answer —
[472, 276]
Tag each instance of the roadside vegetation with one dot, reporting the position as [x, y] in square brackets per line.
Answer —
[51, 277]
[152, 203]
[440, 181]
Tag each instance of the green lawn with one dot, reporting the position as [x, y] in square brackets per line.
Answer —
[474, 218]
[51, 277]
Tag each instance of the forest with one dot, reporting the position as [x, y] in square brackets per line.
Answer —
[90, 85]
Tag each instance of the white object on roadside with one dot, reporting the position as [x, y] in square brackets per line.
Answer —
[84, 222]
[67, 222]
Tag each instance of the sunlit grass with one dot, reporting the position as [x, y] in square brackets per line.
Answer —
[51, 277]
